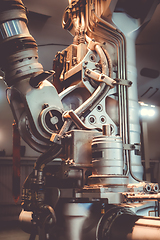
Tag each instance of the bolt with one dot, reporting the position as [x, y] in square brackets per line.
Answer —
[82, 118]
[99, 108]
[88, 71]
[85, 79]
[103, 120]
[92, 57]
[96, 65]
[45, 105]
[92, 119]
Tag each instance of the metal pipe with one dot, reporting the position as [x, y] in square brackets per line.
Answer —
[119, 38]
[121, 223]
[121, 73]
[145, 229]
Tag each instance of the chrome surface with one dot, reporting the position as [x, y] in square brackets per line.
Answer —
[13, 28]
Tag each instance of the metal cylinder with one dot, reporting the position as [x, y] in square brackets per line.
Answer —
[107, 155]
[120, 223]
[145, 229]
[86, 221]
[26, 221]
[19, 55]
[75, 215]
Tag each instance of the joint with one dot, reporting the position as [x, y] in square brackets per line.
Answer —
[66, 115]
[92, 44]
[56, 138]
[75, 118]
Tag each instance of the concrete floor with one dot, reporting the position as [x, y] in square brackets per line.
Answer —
[12, 231]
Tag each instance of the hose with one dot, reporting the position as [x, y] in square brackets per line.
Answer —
[54, 150]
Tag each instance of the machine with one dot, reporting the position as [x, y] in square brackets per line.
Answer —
[82, 117]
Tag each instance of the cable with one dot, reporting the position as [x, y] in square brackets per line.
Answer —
[52, 44]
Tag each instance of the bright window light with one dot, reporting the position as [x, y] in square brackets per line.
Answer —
[147, 110]
[144, 112]
[143, 104]
[151, 112]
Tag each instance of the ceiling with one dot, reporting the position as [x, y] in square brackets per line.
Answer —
[45, 26]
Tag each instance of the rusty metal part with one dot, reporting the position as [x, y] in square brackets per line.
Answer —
[141, 196]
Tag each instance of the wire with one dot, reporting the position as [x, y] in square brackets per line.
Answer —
[53, 44]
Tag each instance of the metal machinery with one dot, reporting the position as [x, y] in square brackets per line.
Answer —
[87, 183]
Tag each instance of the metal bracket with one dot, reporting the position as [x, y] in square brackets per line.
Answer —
[100, 77]
[123, 82]
[136, 147]
[129, 147]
